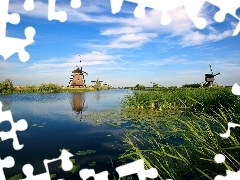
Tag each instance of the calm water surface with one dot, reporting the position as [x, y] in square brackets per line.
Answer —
[55, 122]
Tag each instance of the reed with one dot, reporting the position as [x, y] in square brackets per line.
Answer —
[177, 131]
[185, 147]
[175, 100]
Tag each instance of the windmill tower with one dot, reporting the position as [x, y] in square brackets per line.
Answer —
[209, 78]
[77, 77]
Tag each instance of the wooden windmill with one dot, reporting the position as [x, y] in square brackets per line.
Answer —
[209, 78]
[77, 79]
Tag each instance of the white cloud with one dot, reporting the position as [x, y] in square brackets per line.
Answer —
[88, 59]
[121, 30]
[196, 38]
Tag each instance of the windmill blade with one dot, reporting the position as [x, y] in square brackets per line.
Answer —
[211, 68]
[216, 74]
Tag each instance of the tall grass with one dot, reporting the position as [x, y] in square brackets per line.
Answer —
[177, 131]
[185, 147]
[42, 88]
[181, 100]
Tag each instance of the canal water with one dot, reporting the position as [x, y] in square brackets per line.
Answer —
[56, 121]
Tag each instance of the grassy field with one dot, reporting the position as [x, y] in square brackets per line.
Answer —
[7, 87]
[177, 131]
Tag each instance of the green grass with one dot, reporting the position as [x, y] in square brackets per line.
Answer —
[181, 100]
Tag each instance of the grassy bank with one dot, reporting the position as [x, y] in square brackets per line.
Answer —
[48, 88]
[181, 100]
[7, 87]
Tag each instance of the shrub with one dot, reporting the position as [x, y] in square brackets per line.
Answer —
[6, 86]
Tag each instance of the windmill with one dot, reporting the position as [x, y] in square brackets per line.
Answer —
[77, 78]
[97, 84]
[209, 78]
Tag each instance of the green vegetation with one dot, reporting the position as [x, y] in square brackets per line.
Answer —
[192, 85]
[177, 130]
[98, 86]
[176, 100]
[139, 87]
[42, 88]
[6, 87]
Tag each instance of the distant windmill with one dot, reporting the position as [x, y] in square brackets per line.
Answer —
[209, 78]
[77, 78]
[97, 84]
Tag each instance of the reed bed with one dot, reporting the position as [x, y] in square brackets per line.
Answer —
[184, 148]
[42, 88]
[179, 134]
[181, 100]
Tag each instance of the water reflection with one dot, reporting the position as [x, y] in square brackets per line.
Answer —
[78, 103]
[98, 96]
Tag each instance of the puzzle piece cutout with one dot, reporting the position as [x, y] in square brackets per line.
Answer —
[52, 13]
[20, 125]
[87, 173]
[8, 45]
[229, 175]
[137, 167]
[192, 8]
[66, 164]
[236, 89]
[230, 125]
[7, 162]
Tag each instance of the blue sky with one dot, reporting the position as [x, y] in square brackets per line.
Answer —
[121, 49]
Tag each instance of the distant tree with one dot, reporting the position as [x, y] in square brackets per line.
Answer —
[198, 85]
[6, 86]
[139, 87]
[155, 86]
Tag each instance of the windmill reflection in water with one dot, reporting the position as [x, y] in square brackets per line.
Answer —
[78, 103]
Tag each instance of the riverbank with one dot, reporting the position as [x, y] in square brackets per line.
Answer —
[178, 131]
[7, 87]
[49, 88]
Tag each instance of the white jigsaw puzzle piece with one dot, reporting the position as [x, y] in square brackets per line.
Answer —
[137, 167]
[230, 175]
[8, 45]
[87, 173]
[28, 5]
[236, 89]
[66, 164]
[20, 125]
[7, 162]
[192, 8]
[60, 15]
